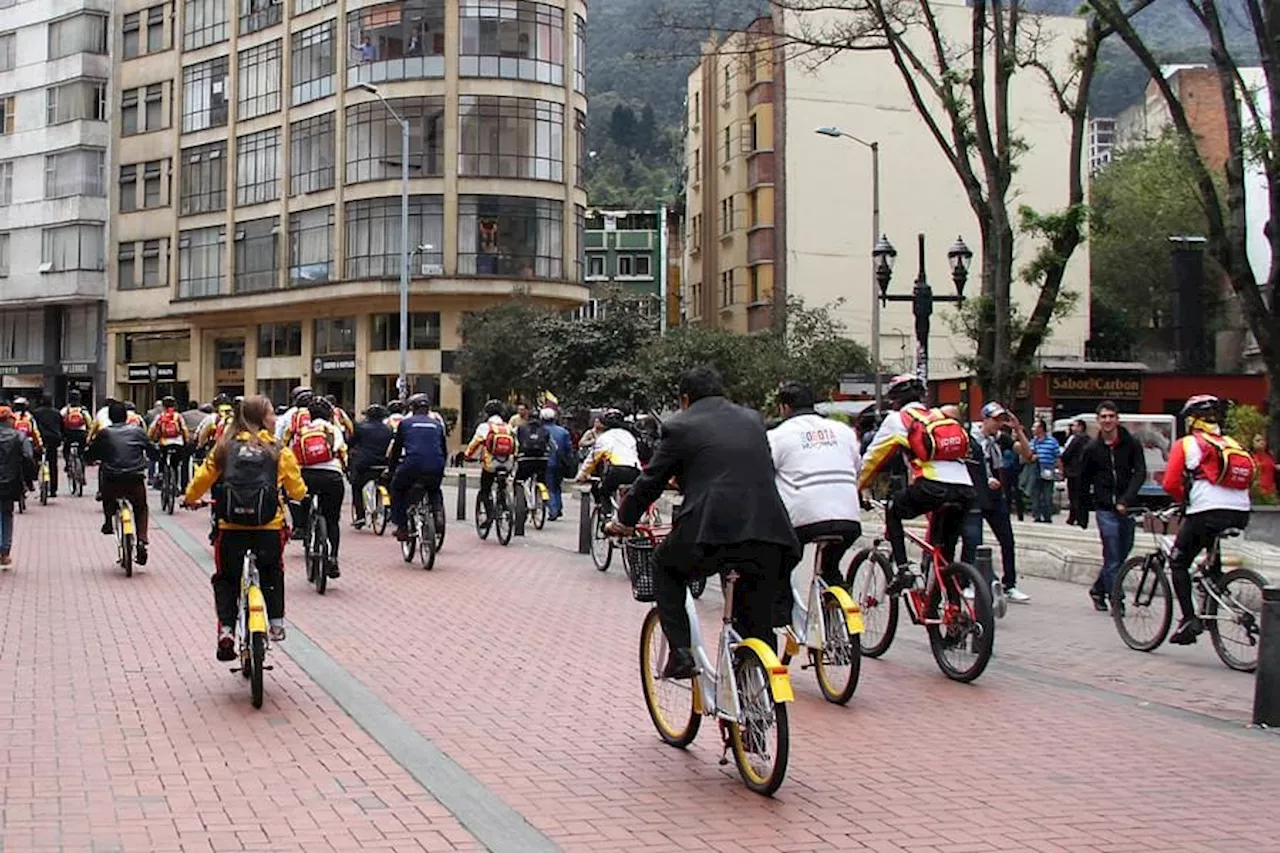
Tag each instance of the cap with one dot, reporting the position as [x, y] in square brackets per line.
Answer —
[994, 410]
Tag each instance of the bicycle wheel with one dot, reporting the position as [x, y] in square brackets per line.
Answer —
[503, 518]
[258, 652]
[697, 586]
[1142, 602]
[840, 662]
[409, 546]
[426, 538]
[322, 552]
[539, 510]
[126, 553]
[670, 701]
[482, 519]
[520, 504]
[761, 742]
[601, 544]
[867, 580]
[44, 491]
[1235, 634]
[77, 476]
[439, 527]
[962, 644]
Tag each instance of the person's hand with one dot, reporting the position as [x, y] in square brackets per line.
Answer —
[617, 528]
[993, 484]
[1122, 510]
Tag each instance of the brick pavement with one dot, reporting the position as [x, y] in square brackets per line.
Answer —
[520, 664]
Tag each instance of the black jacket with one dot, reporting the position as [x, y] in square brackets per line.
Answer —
[1073, 454]
[17, 464]
[49, 420]
[369, 444]
[122, 450]
[1112, 475]
[719, 455]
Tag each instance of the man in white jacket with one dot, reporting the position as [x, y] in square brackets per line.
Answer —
[816, 462]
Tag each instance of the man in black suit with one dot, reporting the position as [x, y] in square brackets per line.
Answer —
[732, 514]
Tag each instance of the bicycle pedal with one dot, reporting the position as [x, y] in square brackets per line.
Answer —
[235, 669]
[267, 666]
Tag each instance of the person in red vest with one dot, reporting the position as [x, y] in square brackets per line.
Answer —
[1266, 465]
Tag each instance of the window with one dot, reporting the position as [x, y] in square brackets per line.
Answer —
[156, 39]
[280, 340]
[155, 116]
[301, 6]
[753, 284]
[126, 268]
[579, 239]
[726, 288]
[153, 346]
[373, 236]
[78, 100]
[72, 247]
[579, 54]
[131, 40]
[258, 90]
[334, 335]
[204, 22]
[311, 144]
[258, 167]
[204, 95]
[200, 261]
[6, 182]
[259, 14]
[508, 236]
[511, 138]
[257, 255]
[395, 41]
[516, 39]
[726, 149]
[726, 216]
[580, 148]
[22, 337]
[80, 171]
[155, 263]
[204, 178]
[624, 266]
[310, 245]
[383, 387]
[8, 107]
[313, 63]
[83, 33]
[374, 139]
[80, 333]
[155, 180]
[8, 51]
[4, 255]
[728, 84]
[424, 331]
[642, 266]
[595, 266]
[276, 389]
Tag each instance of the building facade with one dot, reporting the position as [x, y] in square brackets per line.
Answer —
[54, 135]
[623, 258]
[257, 188]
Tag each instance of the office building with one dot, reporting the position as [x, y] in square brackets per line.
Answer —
[623, 259]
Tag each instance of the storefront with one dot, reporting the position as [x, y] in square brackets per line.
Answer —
[76, 376]
[22, 380]
[145, 384]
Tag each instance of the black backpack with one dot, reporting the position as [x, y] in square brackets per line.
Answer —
[250, 490]
[536, 442]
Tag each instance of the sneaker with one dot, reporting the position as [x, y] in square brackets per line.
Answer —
[333, 571]
[6, 562]
[276, 633]
[226, 644]
[680, 665]
[905, 579]
[108, 529]
[1017, 596]
[358, 525]
[141, 557]
[1188, 630]
[1099, 600]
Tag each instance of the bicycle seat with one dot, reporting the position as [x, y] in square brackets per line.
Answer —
[827, 540]
[1230, 533]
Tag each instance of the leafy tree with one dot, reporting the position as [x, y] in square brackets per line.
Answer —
[494, 357]
[591, 361]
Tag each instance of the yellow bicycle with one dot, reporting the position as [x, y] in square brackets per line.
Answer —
[251, 629]
[377, 504]
[44, 482]
[126, 537]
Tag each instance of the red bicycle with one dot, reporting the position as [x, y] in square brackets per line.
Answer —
[951, 600]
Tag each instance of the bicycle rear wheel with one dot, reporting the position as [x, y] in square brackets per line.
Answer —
[962, 644]
[538, 510]
[258, 653]
[601, 544]
[426, 538]
[670, 702]
[439, 527]
[1235, 634]
[867, 580]
[321, 546]
[409, 546]
[761, 742]
[503, 518]
[839, 664]
[482, 519]
[126, 553]
[1142, 602]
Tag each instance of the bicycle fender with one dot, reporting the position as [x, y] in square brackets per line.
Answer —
[257, 611]
[384, 496]
[779, 675]
[852, 612]
[126, 521]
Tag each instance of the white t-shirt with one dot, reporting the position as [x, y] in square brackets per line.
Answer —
[816, 462]
[1205, 495]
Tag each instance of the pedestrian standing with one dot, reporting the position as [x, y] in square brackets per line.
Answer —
[1011, 473]
[988, 457]
[1048, 462]
[1111, 473]
[1071, 456]
[17, 469]
[1263, 462]
[560, 463]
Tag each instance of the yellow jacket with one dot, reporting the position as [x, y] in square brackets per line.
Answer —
[287, 476]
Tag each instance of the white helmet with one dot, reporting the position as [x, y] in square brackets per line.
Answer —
[547, 414]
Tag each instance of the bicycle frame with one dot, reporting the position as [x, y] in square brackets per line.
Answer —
[808, 623]
[253, 606]
[1210, 556]
[917, 598]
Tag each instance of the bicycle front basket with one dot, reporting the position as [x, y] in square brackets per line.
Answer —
[640, 567]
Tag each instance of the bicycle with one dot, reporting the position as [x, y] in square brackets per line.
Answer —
[377, 503]
[531, 497]
[1142, 596]
[126, 537]
[503, 517]
[828, 626]
[169, 490]
[75, 471]
[315, 545]
[44, 482]
[957, 626]
[746, 689]
[425, 532]
[252, 641]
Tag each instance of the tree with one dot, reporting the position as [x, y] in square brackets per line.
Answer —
[494, 357]
[593, 361]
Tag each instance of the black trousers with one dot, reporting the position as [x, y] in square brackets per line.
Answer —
[617, 475]
[229, 549]
[51, 457]
[1194, 534]
[360, 476]
[761, 568]
[536, 468]
[134, 490]
[847, 530]
[1076, 513]
[947, 501]
[329, 488]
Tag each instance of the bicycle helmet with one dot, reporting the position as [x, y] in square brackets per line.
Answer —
[905, 388]
[613, 419]
[395, 407]
[420, 403]
[376, 412]
[130, 406]
[1203, 407]
[320, 409]
[221, 400]
[168, 402]
[280, 410]
[492, 408]
[548, 414]
[20, 404]
[73, 398]
[300, 394]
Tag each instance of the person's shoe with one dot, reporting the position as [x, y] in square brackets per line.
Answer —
[141, 557]
[1188, 630]
[680, 665]
[968, 593]
[108, 529]
[276, 633]
[1099, 600]
[359, 524]
[1017, 596]
[333, 571]
[6, 562]
[904, 580]
[401, 534]
[226, 644]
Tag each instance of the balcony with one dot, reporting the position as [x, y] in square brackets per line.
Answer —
[760, 245]
[759, 168]
[760, 92]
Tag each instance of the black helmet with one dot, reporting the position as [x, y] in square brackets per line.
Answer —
[168, 402]
[20, 404]
[298, 392]
[221, 400]
[419, 403]
[376, 412]
[395, 407]
[280, 410]
[130, 406]
[1204, 407]
[906, 388]
[73, 397]
[493, 407]
[320, 409]
[613, 419]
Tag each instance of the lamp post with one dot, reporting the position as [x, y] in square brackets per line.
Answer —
[832, 130]
[403, 382]
[921, 296]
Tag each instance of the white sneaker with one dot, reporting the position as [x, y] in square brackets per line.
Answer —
[1017, 596]
[968, 593]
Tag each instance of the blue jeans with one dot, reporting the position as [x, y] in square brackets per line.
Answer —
[6, 526]
[555, 507]
[1117, 541]
[1042, 499]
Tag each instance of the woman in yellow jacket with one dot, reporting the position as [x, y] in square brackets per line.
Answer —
[261, 469]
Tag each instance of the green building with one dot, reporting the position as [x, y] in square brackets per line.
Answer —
[624, 251]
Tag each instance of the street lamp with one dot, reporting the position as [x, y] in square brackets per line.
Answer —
[921, 296]
[403, 382]
[882, 257]
[876, 236]
[960, 255]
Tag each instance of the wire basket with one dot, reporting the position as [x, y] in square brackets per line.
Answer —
[640, 564]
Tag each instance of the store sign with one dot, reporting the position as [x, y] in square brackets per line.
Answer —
[321, 366]
[165, 371]
[16, 369]
[76, 368]
[1065, 386]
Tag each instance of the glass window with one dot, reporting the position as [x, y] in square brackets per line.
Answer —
[72, 247]
[509, 236]
[4, 255]
[257, 252]
[131, 41]
[155, 263]
[79, 100]
[624, 265]
[383, 387]
[642, 267]
[204, 178]
[516, 39]
[200, 261]
[335, 335]
[313, 63]
[156, 40]
[129, 125]
[8, 110]
[8, 51]
[511, 138]
[280, 339]
[373, 236]
[80, 171]
[152, 346]
[258, 167]
[80, 333]
[204, 22]
[579, 238]
[126, 268]
[204, 95]
[259, 14]
[83, 33]
[396, 41]
[154, 182]
[276, 390]
[580, 148]
[374, 139]
[157, 117]
[595, 266]
[22, 337]
[301, 6]
[311, 143]
[424, 331]
[579, 54]
[258, 90]
[6, 182]
[310, 245]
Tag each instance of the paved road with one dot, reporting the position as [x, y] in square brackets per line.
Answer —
[494, 703]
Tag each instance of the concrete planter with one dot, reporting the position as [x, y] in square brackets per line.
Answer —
[1264, 525]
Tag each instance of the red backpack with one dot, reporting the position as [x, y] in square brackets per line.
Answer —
[169, 427]
[23, 426]
[313, 446]
[1224, 462]
[934, 437]
[500, 442]
[74, 418]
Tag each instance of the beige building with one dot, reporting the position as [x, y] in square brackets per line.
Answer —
[771, 200]
[256, 187]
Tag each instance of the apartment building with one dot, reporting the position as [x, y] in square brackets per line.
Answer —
[54, 133]
[623, 258]
[257, 188]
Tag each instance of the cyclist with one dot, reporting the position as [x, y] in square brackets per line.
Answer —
[132, 418]
[534, 440]
[418, 455]
[340, 418]
[496, 442]
[169, 432]
[1211, 473]
[214, 423]
[614, 453]
[937, 449]
[49, 421]
[253, 468]
[122, 449]
[370, 442]
[296, 415]
[395, 414]
[75, 426]
[24, 423]
[322, 452]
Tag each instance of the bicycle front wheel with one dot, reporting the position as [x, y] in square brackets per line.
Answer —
[867, 580]
[258, 652]
[601, 544]
[321, 546]
[962, 643]
[538, 510]
[1234, 630]
[670, 702]
[503, 518]
[1142, 603]
[761, 741]
[482, 519]
[839, 663]
[426, 539]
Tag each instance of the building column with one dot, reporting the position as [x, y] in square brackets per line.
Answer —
[363, 333]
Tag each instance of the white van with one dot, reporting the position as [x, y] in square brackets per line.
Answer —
[1156, 434]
